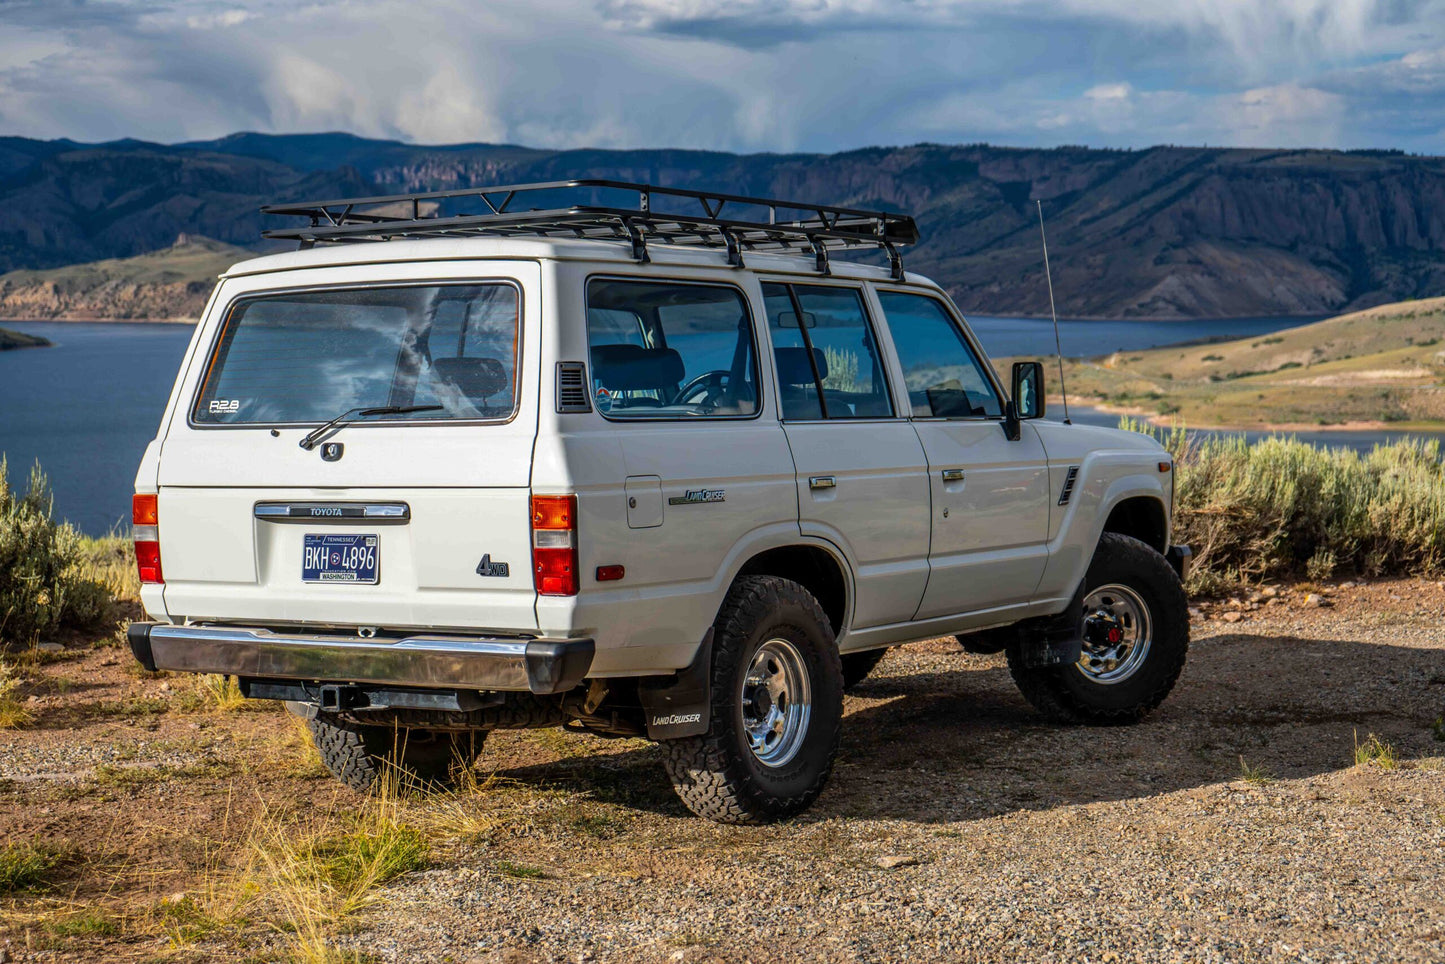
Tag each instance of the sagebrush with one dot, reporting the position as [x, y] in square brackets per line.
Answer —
[1280, 508]
[44, 582]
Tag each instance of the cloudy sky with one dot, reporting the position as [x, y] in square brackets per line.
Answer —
[744, 75]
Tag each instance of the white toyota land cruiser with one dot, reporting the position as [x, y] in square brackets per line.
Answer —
[635, 460]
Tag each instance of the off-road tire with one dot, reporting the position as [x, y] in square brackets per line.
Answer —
[857, 666]
[359, 754]
[716, 774]
[1066, 695]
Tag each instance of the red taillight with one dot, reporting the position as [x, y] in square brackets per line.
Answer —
[148, 561]
[145, 519]
[554, 544]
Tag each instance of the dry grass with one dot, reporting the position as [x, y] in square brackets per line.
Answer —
[219, 693]
[1254, 774]
[13, 713]
[310, 875]
[1380, 365]
[109, 561]
[1377, 751]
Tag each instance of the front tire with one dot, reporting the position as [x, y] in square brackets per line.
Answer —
[775, 710]
[361, 755]
[1136, 639]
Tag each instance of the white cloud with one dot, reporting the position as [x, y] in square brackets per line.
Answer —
[733, 74]
[224, 18]
[1105, 93]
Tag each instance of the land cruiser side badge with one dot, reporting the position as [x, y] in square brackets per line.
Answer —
[489, 568]
[697, 497]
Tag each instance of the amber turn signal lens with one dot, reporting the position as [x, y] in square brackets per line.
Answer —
[143, 510]
[554, 511]
[1165, 466]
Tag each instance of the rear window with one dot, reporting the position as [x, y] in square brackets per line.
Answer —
[670, 350]
[309, 356]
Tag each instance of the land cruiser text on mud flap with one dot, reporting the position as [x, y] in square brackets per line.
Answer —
[635, 460]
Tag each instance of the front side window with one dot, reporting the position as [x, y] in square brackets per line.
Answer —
[666, 349]
[309, 356]
[944, 376]
[825, 353]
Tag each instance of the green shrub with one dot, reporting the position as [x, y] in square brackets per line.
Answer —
[1280, 508]
[25, 866]
[42, 586]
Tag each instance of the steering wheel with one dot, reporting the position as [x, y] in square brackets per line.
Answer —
[709, 384]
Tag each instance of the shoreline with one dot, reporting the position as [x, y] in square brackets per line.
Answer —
[1171, 421]
[1151, 319]
[95, 321]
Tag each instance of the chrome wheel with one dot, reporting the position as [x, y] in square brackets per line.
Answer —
[776, 702]
[1117, 632]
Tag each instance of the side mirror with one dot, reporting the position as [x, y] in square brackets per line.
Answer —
[1028, 389]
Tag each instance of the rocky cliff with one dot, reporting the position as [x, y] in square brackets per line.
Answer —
[1166, 232]
[167, 285]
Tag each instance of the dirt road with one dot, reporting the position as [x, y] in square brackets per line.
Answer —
[1233, 825]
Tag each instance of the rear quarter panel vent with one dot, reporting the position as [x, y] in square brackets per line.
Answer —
[572, 395]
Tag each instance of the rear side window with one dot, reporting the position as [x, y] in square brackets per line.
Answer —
[309, 356]
[944, 376]
[670, 350]
[825, 353]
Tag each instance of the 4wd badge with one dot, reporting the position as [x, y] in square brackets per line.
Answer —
[489, 568]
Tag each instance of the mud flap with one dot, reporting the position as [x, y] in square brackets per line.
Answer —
[1053, 640]
[679, 705]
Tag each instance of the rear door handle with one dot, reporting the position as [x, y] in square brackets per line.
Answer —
[822, 482]
[953, 475]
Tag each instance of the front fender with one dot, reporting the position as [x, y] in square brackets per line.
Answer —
[1072, 549]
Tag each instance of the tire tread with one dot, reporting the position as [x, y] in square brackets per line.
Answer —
[712, 781]
[1044, 687]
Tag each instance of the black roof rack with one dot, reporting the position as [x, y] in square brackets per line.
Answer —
[603, 209]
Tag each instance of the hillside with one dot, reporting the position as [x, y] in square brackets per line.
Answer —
[170, 284]
[1384, 366]
[1167, 232]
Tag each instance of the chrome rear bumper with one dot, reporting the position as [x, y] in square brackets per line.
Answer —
[449, 662]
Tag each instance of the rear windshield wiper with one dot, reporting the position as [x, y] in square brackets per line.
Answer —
[350, 415]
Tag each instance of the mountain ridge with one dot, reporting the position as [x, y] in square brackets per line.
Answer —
[1164, 232]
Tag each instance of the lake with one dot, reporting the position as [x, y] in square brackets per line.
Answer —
[86, 407]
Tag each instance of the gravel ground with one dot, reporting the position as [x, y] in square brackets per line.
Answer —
[957, 827]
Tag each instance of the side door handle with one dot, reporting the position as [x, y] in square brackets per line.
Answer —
[953, 475]
[822, 482]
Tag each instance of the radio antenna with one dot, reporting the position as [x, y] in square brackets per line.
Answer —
[1058, 348]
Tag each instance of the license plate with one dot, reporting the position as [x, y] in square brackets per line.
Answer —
[333, 558]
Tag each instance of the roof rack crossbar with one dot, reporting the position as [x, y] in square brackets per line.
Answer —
[419, 215]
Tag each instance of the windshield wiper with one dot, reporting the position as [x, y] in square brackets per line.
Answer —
[350, 415]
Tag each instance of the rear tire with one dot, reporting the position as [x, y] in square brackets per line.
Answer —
[1130, 589]
[360, 755]
[857, 666]
[775, 710]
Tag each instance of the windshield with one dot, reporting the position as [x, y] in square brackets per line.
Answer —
[306, 356]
